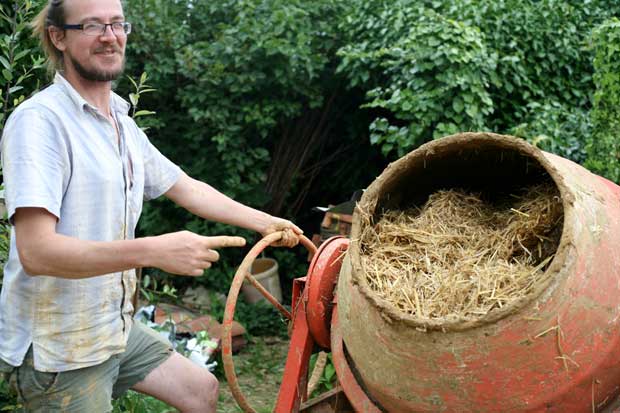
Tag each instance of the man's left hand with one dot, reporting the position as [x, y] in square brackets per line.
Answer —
[290, 232]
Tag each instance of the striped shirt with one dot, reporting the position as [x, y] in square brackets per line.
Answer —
[61, 154]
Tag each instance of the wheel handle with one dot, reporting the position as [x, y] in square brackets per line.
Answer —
[243, 272]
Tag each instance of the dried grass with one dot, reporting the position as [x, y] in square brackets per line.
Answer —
[461, 256]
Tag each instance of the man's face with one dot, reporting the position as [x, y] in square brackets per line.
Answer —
[94, 58]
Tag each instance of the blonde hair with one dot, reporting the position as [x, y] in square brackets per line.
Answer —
[53, 14]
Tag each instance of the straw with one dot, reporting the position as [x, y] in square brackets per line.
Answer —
[462, 254]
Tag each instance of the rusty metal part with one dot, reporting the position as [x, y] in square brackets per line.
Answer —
[556, 350]
[355, 394]
[287, 314]
[229, 312]
[231, 301]
[322, 279]
[312, 303]
[332, 401]
[293, 389]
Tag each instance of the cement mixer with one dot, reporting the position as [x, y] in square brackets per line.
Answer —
[553, 350]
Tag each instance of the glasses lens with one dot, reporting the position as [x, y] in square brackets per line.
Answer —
[93, 29]
[121, 28]
[118, 28]
[98, 29]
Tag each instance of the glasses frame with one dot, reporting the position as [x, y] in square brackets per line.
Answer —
[126, 28]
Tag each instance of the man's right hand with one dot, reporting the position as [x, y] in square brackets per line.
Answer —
[42, 251]
[186, 253]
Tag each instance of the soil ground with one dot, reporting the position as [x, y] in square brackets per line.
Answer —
[259, 367]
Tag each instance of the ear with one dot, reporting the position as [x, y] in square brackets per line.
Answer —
[57, 36]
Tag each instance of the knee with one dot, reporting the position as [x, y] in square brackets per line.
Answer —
[213, 386]
[209, 391]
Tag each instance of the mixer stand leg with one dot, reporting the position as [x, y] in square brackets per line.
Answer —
[332, 401]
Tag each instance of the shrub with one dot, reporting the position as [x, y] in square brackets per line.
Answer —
[604, 146]
[430, 68]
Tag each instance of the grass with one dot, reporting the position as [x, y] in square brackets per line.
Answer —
[8, 402]
[133, 402]
[259, 368]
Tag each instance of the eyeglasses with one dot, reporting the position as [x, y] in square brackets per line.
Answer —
[98, 29]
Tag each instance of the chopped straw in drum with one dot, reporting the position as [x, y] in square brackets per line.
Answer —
[460, 256]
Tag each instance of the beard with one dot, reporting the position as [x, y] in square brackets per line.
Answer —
[95, 75]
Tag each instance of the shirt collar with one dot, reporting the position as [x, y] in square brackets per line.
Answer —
[117, 103]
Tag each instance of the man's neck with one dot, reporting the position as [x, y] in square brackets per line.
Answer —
[96, 93]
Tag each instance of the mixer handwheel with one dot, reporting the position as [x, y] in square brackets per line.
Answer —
[243, 272]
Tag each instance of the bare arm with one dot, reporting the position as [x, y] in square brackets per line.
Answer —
[42, 251]
[206, 202]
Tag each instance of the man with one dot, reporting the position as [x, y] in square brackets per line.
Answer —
[76, 170]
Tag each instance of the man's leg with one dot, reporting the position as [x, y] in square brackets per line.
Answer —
[75, 391]
[182, 384]
[149, 365]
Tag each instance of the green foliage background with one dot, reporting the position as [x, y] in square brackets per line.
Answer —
[438, 67]
[603, 147]
[287, 104]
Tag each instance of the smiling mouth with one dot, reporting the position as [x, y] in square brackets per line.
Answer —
[107, 51]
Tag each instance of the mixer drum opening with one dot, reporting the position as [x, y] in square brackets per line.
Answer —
[460, 233]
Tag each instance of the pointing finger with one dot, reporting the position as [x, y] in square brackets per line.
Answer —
[224, 241]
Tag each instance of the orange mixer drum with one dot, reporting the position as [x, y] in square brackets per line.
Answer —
[555, 350]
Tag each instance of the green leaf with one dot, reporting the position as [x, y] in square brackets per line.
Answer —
[7, 75]
[5, 63]
[330, 372]
[133, 82]
[15, 89]
[457, 105]
[10, 408]
[134, 98]
[143, 113]
[472, 110]
[22, 54]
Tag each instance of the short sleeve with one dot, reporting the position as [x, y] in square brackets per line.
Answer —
[35, 162]
[160, 173]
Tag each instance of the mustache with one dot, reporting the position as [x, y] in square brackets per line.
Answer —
[103, 49]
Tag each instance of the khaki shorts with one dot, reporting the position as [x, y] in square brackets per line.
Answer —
[90, 389]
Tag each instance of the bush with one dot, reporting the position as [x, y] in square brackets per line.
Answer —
[436, 79]
[247, 101]
[604, 146]
[556, 128]
[431, 68]
[21, 63]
